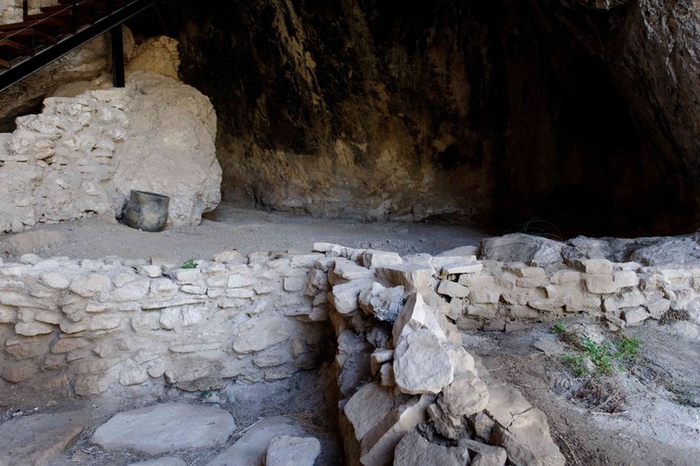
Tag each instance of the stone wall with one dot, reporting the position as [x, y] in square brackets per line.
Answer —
[84, 327]
[82, 155]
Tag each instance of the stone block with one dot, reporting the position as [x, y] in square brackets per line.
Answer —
[378, 358]
[452, 289]
[486, 312]
[55, 280]
[466, 395]
[48, 317]
[485, 296]
[344, 270]
[187, 276]
[421, 364]
[477, 281]
[563, 277]
[626, 278]
[150, 271]
[33, 328]
[367, 407]
[90, 285]
[601, 284]
[73, 327]
[413, 450]
[412, 277]
[591, 266]
[87, 385]
[286, 450]
[17, 372]
[524, 271]
[414, 316]
[132, 291]
[134, 376]
[658, 307]
[372, 259]
[471, 267]
[68, 344]
[624, 299]
[531, 282]
[104, 322]
[260, 333]
[8, 315]
[483, 454]
[293, 284]
[145, 321]
[344, 297]
[634, 315]
[377, 446]
[26, 348]
[382, 303]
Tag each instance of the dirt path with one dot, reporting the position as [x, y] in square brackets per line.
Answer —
[229, 228]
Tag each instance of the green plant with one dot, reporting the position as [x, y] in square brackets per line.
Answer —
[604, 357]
[628, 348]
[189, 264]
[577, 363]
[558, 328]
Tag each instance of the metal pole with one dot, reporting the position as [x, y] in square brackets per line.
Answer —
[25, 9]
[117, 56]
[74, 15]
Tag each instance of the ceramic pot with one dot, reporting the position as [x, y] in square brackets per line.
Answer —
[146, 211]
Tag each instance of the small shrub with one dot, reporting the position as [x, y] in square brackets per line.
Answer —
[558, 328]
[189, 264]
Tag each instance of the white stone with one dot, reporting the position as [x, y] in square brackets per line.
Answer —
[251, 449]
[452, 289]
[421, 365]
[411, 277]
[260, 333]
[344, 297]
[371, 258]
[286, 450]
[35, 439]
[382, 303]
[377, 446]
[416, 315]
[635, 315]
[414, 450]
[89, 285]
[164, 428]
[466, 395]
[345, 270]
[457, 269]
[366, 408]
[33, 328]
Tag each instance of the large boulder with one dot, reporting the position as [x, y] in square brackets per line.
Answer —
[170, 147]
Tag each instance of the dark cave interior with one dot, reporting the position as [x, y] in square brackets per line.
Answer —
[497, 88]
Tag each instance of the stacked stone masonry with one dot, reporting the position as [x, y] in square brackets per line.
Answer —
[83, 327]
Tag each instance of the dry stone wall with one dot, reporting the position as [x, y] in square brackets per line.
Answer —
[83, 155]
[84, 327]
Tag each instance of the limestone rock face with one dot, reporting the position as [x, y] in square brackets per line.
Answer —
[157, 54]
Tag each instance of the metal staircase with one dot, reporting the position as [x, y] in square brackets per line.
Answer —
[41, 38]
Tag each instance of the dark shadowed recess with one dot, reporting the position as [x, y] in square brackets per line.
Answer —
[564, 152]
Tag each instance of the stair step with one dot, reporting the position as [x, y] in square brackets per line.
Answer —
[5, 63]
[26, 50]
[29, 32]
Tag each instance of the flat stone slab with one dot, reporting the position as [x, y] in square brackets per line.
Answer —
[165, 427]
[33, 440]
[251, 449]
[165, 461]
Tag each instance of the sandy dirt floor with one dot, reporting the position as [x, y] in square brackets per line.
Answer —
[646, 413]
